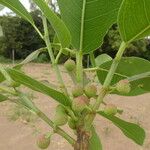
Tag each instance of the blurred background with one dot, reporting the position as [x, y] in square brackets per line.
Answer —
[18, 38]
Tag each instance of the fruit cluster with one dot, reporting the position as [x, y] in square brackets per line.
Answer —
[81, 96]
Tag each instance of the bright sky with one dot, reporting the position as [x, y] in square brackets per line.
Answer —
[24, 2]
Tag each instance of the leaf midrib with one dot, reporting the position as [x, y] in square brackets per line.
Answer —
[34, 87]
[137, 35]
[144, 30]
[139, 76]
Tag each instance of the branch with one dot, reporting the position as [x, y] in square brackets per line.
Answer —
[107, 82]
[48, 44]
[58, 130]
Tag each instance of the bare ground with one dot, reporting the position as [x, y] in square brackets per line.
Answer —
[21, 136]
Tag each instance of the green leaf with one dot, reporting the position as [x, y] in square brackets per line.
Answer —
[3, 98]
[95, 143]
[5, 74]
[55, 39]
[131, 130]
[58, 25]
[88, 21]
[56, 46]
[26, 102]
[101, 59]
[134, 19]
[18, 8]
[128, 67]
[30, 58]
[38, 86]
[141, 80]
[46, 82]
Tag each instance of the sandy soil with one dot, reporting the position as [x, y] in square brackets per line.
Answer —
[21, 136]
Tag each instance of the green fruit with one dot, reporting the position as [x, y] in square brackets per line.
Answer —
[61, 117]
[43, 142]
[90, 90]
[79, 103]
[110, 109]
[77, 91]
[60, 109]
[123, 86]
[72, 123]
[70, 65]
[73, 55]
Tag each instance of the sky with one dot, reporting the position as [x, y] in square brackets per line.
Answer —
[24, 2]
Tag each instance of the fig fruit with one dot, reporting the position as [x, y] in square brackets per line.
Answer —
[90, 90]
[79, 103]
[60, 109]
[123, 86]
[110, 109]
[60, 117]
[70, 65]
[43, 142]
[77, 91]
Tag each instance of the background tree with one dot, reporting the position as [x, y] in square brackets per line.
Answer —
[20, 36]
[112, 42]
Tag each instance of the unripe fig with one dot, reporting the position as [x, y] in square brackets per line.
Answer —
[123, 86]
[43, 142]
[90, 90]
[79, 103]
[110, 109]
[60, 109]
[73, 55]
[60, 117]
[72, 123]
[70, 65]
[77, 91]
